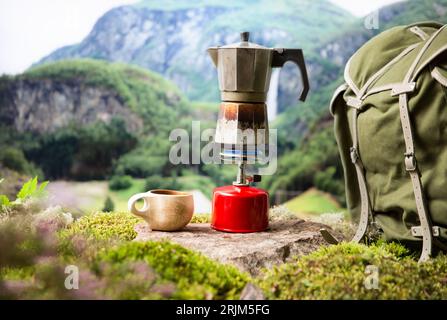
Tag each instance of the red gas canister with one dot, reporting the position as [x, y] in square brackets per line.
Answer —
[240, 209]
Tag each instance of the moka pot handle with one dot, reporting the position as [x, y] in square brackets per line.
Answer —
[281, 56]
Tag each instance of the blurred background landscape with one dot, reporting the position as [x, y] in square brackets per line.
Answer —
[94, 117]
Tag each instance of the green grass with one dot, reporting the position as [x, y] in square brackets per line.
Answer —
[93, 194]
[195, 182]
[121, 197]
[313, 201]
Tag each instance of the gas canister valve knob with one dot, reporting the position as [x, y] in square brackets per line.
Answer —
[254, 178]
[245, 36]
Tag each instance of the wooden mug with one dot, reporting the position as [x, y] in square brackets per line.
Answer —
[164, 210]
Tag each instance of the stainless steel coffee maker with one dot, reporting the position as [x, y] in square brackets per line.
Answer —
[244, 70]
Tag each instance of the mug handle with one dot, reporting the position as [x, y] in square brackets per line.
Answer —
[131, 204]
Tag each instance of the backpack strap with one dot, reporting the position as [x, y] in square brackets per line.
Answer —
[425, 230]
[419, 32]
[365, 207]
[402, 90]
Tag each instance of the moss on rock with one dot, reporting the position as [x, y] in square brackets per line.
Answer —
[118, 268]
[96, 232]
[104, 225]
[341, 272]
[195, 276]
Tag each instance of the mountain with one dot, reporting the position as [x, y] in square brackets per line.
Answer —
[334, 54]
[84, 91]
[83, 118]
[171, 37]
[309, 154]
[354, 35]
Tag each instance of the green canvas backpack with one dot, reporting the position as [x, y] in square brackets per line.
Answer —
[391, 130]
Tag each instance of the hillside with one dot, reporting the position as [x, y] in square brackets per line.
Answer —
[353, 35]
[309, 153]
[335, 53]
[76, 118]
[312, 202]
[171, 37]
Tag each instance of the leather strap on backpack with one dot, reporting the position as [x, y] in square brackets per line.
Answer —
[365, 207]
[411, 167]
[402, 90]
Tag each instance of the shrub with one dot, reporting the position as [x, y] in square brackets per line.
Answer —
[339, 272]
[109, 206]
[147, 159]
[159, 182]
[99, 145]
[196, 276]
[54, 152]
[120, 182]
[14, 159]
[86, 152]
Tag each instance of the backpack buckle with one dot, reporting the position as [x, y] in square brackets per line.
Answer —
[354, 102]
[410, 161]
[354, 154]
[418, 232]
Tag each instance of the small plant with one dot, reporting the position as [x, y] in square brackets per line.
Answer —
[30, 189]
[120, 182]
[109, 206]
[201, 218]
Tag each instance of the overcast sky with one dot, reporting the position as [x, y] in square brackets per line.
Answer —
[31, 29]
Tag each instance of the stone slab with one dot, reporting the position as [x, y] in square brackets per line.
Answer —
[248, 251]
